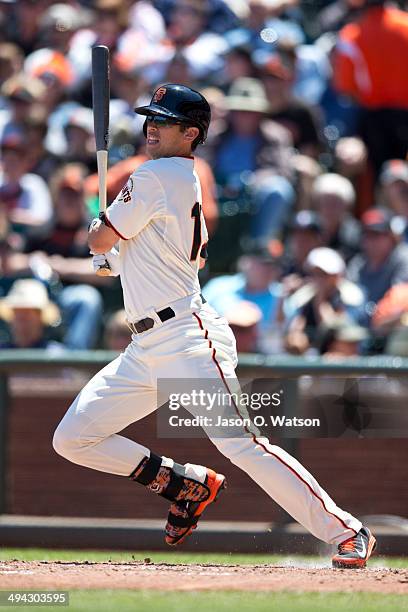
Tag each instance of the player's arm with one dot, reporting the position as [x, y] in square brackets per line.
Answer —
[101, 237]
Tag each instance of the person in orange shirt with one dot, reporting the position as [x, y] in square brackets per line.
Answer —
[369, 66]
[120, 172]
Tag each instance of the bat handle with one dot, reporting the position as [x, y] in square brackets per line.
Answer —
[102, 162]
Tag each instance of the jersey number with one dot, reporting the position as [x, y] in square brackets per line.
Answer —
[196, 215]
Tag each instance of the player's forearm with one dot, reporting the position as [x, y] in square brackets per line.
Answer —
[100, 237]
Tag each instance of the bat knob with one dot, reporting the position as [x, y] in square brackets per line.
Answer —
[103, 271]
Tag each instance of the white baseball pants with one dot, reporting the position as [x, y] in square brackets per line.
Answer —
[197, 343]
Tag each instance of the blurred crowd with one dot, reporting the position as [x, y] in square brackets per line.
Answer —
[304, 173]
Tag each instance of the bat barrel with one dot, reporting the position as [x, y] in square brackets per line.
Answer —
[101, 95]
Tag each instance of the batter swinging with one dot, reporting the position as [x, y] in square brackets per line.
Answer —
[158, 222]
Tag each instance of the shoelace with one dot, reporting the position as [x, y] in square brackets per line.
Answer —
[348, 546]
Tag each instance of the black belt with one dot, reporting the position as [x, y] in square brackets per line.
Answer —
[164, 315]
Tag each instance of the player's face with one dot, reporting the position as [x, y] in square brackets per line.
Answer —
[166, 140]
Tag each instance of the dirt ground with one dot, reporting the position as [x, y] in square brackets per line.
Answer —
[167, 577]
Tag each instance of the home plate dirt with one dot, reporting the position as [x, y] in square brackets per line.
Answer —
[166, 577]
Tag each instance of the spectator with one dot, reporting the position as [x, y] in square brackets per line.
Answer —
[29, 313]
[67, 235]
[377, 80]
[342, 341]
[187, 31]
[333, 198]
[128, 90]
[383, 262]
[257, 282]
[56, 76]
[278, 73]
[350, 157]
[305, 234]
[24, 24]
[25, 196]
[19, 94]
[351, 160]
[61, 257]
[306, 171]
[57, 26]
[326, 302]
[79, 131]
[263, 165]
[117, 332]
[390, 320]
[178, 70]
[145, 18]
[220, 17]
[42, 162]
[11, 61]
[238, 56]
[394, 187]
[244, 319]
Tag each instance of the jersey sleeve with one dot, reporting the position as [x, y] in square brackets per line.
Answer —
[141, 200]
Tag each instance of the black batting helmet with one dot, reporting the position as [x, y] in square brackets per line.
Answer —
[182, 103]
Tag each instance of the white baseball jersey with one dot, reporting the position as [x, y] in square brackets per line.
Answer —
[158, 215]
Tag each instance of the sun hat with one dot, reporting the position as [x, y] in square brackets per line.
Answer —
[29, 293]
[247, 94]
[243, 314]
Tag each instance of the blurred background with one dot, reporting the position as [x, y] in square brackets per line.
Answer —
[304, 173]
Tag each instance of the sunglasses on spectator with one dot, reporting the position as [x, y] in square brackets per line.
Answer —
[160, 121]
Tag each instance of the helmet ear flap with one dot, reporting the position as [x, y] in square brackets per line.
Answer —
[145, 128]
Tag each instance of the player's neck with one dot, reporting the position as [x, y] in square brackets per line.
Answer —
[187, 155]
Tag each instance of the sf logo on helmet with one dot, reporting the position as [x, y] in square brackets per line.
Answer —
[159, 94]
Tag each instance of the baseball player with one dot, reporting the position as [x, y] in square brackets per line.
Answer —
[158, 222]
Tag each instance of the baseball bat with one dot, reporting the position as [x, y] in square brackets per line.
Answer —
[100, 103]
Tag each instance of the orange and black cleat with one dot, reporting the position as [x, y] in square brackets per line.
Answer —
[184, 515]
[355, 552]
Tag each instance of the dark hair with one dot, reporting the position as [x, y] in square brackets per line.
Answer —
[196, 142]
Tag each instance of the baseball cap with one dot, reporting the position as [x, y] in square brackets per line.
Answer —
[377, 220]
[247, 94]
[394, 170]
[49, 64]
[306, 220]
[325, 259]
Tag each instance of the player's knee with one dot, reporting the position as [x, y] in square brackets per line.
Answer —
[65, 442]
[61, 442]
